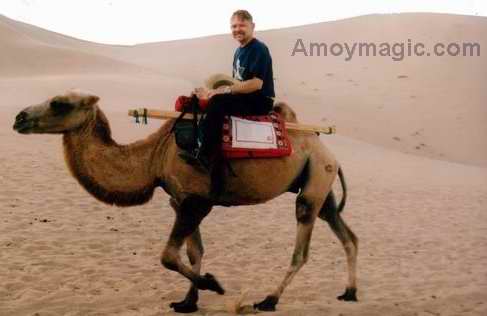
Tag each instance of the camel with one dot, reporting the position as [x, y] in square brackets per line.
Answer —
[127, 175]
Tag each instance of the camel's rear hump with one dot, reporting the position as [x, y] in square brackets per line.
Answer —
[285, 111]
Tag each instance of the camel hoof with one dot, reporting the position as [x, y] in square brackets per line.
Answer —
[184, 307]
[350, 295]
[209, 282]
[267, 305]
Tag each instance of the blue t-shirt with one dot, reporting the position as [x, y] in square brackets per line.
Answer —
[254, 60]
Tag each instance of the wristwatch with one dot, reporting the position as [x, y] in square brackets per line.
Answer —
[227, 89]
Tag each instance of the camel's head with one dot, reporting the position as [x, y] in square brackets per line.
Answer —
[57, 115]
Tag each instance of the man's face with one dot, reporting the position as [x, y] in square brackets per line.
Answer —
[242, 30]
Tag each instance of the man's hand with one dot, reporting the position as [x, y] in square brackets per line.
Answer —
[219, 90]
[201, 93]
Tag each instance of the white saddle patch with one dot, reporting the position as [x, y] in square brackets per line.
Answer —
[252, 134]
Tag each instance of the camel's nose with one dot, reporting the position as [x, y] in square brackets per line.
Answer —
[21, 116]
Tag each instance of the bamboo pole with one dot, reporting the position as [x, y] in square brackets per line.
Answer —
[164, 115]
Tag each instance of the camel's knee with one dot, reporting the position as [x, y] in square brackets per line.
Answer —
[305, 212]
[299, 259]
[298, 263]
[169, 260]
[350, 247]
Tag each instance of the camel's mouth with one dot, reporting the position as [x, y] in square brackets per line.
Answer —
[23, 125]
[22, 128]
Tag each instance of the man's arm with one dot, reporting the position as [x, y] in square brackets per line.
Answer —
[247, 86]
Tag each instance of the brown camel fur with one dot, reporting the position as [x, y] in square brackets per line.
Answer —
[127, 175]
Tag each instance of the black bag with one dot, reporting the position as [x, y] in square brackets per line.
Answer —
[186, 131]
[185, 135]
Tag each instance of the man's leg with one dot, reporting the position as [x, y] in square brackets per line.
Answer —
[219, 106]
[229, 104]
[211, 126]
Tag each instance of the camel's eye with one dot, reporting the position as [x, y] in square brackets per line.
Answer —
[61, 108]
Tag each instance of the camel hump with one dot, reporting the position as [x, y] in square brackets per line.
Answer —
[285, 111]
[218, 80]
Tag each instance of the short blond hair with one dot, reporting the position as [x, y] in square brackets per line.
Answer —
[243, 15]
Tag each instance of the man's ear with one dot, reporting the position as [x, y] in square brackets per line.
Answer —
[90, 100]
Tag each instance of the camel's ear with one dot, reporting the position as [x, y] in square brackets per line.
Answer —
[90, 100]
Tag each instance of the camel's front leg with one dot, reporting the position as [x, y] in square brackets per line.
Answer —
[194, 250]
[189, 215]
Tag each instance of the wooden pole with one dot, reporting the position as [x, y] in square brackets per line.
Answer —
[164, 115]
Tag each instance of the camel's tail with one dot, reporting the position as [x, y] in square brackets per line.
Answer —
[329, 210]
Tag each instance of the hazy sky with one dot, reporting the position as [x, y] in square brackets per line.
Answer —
[138, 21]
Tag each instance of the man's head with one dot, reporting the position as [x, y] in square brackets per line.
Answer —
[242, 26]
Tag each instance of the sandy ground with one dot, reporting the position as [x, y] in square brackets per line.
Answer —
[420, 216]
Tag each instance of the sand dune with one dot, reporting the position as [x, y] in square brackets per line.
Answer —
[411, 140]
[25, 53]
[440, 99]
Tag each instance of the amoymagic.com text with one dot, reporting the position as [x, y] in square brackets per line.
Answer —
[396, 51]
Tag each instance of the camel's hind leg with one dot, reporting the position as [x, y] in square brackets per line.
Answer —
[349, 241]
[306, 212]
[194, 250]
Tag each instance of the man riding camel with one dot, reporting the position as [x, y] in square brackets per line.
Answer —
[251, 94]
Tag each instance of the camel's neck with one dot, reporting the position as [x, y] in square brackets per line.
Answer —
[115, 174]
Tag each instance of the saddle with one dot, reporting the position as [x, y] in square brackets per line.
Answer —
[261, 136]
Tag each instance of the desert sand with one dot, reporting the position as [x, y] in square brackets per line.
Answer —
[411, 140]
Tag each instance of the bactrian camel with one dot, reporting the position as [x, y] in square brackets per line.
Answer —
[127, 175]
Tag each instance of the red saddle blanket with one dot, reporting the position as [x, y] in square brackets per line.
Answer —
[249, 136]
[262, 136]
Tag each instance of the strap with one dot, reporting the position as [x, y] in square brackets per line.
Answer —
[145, 116]
[179, 118]
[136, 114]
[195, 108]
